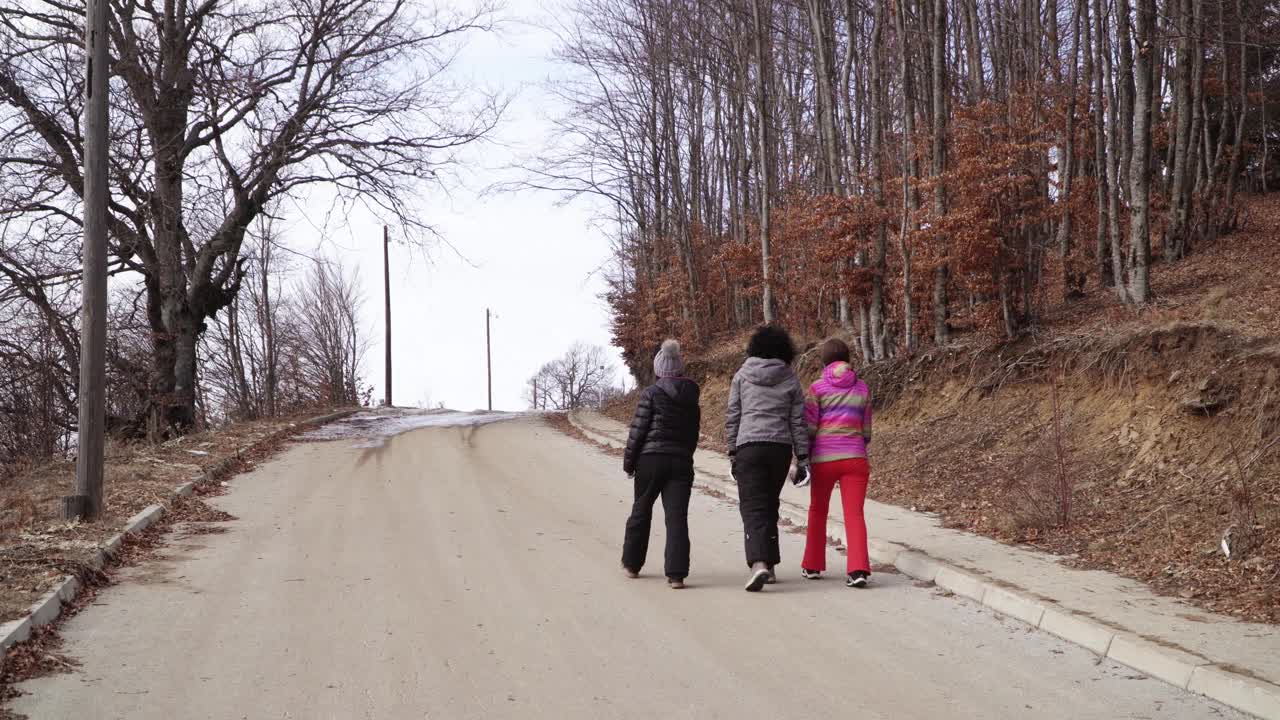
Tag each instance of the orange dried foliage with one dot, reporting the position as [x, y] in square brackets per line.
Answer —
[999, 208]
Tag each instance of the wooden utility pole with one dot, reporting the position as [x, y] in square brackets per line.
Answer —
[86, 503]
[488, 357]
[535, 393]
[386, 284]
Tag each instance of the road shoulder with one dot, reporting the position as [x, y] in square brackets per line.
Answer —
[1233, 662]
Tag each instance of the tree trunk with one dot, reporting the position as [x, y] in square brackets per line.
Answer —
[1073, 281]
[972, 47]
[824, 76]
[1199, 122]
[269, 331]
[1182, 142]
[1266, 149]
[941, 330]
[879, 259]
[831, 182]
[1125, 94]
[244, 399]
[175, 346]
[1006, 306]
[847, 82]
[1237, 146]
[909, 172]
[1140, 168]
[1114, 152]
[762, 160]
[1101, 163]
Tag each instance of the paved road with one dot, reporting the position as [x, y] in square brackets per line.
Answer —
[460, 573]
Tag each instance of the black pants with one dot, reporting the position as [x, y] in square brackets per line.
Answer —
[761, 471]
[672, 478]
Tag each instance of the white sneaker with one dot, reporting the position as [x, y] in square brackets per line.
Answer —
[758, 580]
[808, 574]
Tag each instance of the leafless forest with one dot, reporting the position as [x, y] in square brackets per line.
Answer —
[582, 377]
[907, 169]
[224, 117]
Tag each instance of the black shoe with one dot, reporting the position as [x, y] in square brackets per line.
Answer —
[858, 579]
[808, 574]
[758, 580]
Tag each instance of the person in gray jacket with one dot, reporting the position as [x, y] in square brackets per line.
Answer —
[764, 427]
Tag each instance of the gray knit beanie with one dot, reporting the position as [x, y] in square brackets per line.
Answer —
[667, 362]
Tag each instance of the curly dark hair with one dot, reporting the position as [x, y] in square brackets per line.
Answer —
[771, 342]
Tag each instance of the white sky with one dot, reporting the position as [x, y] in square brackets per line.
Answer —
[533, 263]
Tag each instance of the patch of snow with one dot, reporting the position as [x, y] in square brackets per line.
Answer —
[372, 428]
[197, 452]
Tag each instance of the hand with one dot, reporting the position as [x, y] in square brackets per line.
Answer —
[801, 477]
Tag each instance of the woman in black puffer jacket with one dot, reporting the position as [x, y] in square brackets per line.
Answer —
[659, 458]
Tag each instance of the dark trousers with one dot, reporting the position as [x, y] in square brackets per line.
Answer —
[671, 477]
[761, 471]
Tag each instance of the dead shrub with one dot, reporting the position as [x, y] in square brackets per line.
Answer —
[1244, 533]
[1039, 492]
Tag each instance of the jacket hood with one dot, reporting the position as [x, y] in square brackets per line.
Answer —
[840, 374]
[759, 371]
[682, 390]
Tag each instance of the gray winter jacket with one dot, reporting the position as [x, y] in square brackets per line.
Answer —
[766, 404]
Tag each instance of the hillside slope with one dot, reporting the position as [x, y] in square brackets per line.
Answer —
[1130, 441]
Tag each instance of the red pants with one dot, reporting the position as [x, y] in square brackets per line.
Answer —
[852, 476]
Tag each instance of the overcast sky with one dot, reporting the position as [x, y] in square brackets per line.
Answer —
[534, 263]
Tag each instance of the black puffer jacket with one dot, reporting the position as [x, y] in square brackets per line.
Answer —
[666, 422]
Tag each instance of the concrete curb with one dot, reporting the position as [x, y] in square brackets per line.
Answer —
[1170, 664]
[1163, 663]
[144, 519]
[14, 631]
[1247, 694]
[1076, 629]
[48, 608]
[918, 565]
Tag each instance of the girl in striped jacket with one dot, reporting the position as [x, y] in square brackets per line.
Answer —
[837, 412]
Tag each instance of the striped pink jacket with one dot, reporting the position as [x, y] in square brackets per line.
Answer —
[837, 411]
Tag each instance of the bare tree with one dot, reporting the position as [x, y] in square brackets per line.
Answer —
[241, 351]
[331, 345]
[755, 155]
[219, 108]
[760, 17]
[938, 78]
[582, 377]
[1140, 162]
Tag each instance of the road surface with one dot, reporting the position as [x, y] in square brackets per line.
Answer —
[458, 573]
